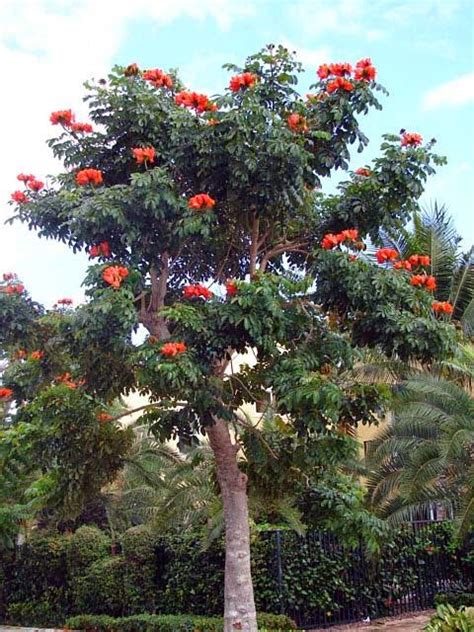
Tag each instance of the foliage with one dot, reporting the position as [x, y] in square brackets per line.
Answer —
[170, 623]
[455, 599]
[448, 619]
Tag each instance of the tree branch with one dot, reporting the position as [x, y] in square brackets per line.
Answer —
[278, 249]
[254, 244]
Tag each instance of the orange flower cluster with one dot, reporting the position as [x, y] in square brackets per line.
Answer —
[35, 185]
[84, 128]
[23, 177]
[411, 139]
[13, 286]
[297, 123]
[362, 171]
[331, 240]
[36, 355]
[143, 154]
[443, 307]
[201, 202]
[131, 70]
[198, 102]
[103, 417]
[65, 301]
[65, 378]
[114, 275]
[62, 117]
[100, 250]
[89, 176]
[402, 265]
[386, 254]
[9, 276]
[419, 260]
[231, 288]
[364, 71]
[420, 280]
[156, 77]
[243, 81]
[19, 197]
[171, 349]
[5, 393]
[339, 83]
[195, 291]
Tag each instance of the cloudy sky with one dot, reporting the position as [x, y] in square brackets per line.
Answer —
[423, 50]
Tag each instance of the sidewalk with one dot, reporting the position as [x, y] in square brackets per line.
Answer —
[406, 623]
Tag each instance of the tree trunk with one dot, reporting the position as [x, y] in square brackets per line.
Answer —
[239, 605]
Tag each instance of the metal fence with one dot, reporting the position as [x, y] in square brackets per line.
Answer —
[412, 568]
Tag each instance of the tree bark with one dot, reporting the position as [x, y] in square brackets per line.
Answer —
[239, 604]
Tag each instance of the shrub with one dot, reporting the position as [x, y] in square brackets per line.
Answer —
[35, 613]
[101, 589]
[448, 619]
[140, 570]
[169, 623]
[455, 599]
[86, 546]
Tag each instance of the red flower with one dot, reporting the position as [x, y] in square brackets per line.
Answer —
[143, 154]
[36, 355]
[100, 250]
[423, 279]
[330, 240]
[362, 171]
[103, 417]
[201, 202]
[195, 291]
[89, 176]
[402, 265]
[430, 283]
[131, 70]
[158, 78]
[442, 306]
[171, 349]
[198, 102]
[35, 185]
[17, 288]
[20, 197]
[85, 128]
[65, 301]
[340, 70]
[231, 288]
[62, 117]
[8, 276]
[424, 260]
[323, 71]
[243, 81]
[350, 234]
[23, 177]
[5, 393]
[65, 379]
[386, 254]
[365, 71]
[21, 354]
[410, 139]
[114, 275]
[339, 83]
[297, 123]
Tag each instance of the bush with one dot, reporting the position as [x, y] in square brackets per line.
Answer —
[86, 546]
[101, 589]
[169, 623]
[448, 619]
[35, 613]
[141, 573]
[455, 599]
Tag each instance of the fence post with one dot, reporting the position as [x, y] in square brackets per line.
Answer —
[279, 570]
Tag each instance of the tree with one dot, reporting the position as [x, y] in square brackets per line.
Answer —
[172, 190]
[425, 455]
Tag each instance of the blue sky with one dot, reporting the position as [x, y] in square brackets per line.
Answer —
[423, 50]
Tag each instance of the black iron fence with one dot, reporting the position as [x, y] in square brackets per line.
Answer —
[319, 583]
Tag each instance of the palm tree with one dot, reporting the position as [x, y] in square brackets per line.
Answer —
[433, 233]
[425, 455]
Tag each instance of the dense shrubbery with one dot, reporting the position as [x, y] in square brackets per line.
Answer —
[53, 577]
[456, 599]
[170, 623]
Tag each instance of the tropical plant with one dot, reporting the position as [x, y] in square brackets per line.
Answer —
[448, 619]
[174, 193]
[424, 455]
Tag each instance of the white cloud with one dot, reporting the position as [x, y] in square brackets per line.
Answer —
[48, 48]
[459, 91]
[309, 57]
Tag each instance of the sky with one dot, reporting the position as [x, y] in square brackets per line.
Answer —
[423, 50]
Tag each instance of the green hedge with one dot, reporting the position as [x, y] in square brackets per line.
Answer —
[170, 623]
[456, 599]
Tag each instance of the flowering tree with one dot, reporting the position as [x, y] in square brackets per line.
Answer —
[206, 225]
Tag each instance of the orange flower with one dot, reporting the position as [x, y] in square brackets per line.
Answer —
[21, 354]
[36, 355]
[171, 349]
[231, 288]
[35, 185]
[65, 378]
[114, 275]
[5, 393]
[339, 83]
[156, 77]
[323, 71]
[350, 234]
[419, 260]
[103, 417]
[362, 171]
[201, 202]
[131, 70]
[195, 291]
[410, 139]
[386, 254]
[243, 81]
[402, 265]
[198, 102]
[89, 176]
[62, 117]
[423, 279]
[430, 283]
[100, 250]
[297, 123]
[442, 306]
[330, 240]
[19, 197]
[85, 128]
[23, 177]
[16, 288]
[365, 71]
[65, 301]
[143, 154]
[340, 70]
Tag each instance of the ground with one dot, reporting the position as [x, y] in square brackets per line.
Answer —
[405, 623]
